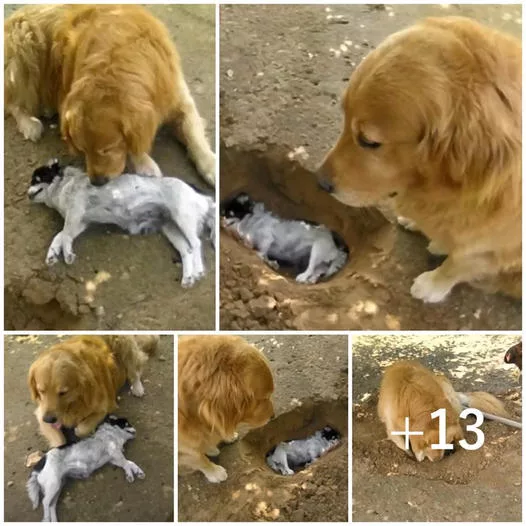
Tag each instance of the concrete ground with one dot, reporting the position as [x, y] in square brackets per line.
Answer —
[311, 379]
[143, 290]
[480, 485]
[283, 71]
[106, 496]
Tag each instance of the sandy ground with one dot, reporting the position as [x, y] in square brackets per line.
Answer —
[144, 290]
[280, 113]
[481, 485]
[310, 375]
[106, 496]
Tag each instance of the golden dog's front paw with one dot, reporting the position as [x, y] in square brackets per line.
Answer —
[31, 128]
[216, 474]
[83, 430]
[428, 287]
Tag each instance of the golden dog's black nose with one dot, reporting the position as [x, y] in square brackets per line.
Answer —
[99, 180]
[49, 418]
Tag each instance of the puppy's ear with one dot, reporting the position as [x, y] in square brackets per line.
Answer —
[139, 126]
[474, 143]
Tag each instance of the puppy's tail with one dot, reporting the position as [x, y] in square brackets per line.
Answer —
[484, 402]
[33, 489]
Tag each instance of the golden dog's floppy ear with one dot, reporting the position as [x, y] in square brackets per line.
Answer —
[474, 143]
[224, 403]
[31, 382]
[139, 126]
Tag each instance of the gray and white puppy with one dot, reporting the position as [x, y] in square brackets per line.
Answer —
[311, 249]
[79, 461]
[137, 204]
[290, 456]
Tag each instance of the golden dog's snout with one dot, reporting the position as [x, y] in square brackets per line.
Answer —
[324, 181]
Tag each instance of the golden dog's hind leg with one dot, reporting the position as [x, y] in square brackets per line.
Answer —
[88, 425]
[190, 130]
[434, 286]
[30, 127]
[54, 436]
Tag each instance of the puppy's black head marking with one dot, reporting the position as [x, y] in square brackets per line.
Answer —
[330, 434]
[238, 206]
[119, 422]
[46, 174]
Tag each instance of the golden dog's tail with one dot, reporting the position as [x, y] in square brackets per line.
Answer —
[484, 402]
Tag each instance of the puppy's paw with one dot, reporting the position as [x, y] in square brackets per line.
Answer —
[427, 287]
[137, 389]
[69, 257]
[52, 257]
[206, 166]
[188, 281]
[305, 277]
[216, 474]
[31, 128]
[133, 470]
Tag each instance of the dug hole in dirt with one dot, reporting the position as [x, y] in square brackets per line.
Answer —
[281, 83]
[310, 375]
[118, 282]
[466, 486]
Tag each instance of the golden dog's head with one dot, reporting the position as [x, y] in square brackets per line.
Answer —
[421, 445]
[106, 129]
[61, 387]
[231, 384]
[429, 108]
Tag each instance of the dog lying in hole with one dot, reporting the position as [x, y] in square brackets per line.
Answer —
[139, 205]
[293, 455]
[79, 461]
[311, 250]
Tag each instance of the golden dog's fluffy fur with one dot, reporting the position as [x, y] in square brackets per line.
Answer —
[409, 389]
[113, 74]
[76, 381]
[224, 383]
[433, 124]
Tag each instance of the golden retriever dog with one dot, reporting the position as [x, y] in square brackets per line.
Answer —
[433, 125]
[225, 385]
[409, 389]
[114, 76]
[76, 381]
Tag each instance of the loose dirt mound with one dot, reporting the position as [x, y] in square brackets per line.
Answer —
[254, 492]
[481, 485]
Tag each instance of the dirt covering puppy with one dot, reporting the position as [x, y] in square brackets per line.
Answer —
[292, 455]
[139, 205]
[75, 382]
[225, 384]
[114, 76]
[79, 461]
[310, 249]
[433, 122]
[409, 389]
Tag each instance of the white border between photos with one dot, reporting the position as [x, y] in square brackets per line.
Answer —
[175, 334]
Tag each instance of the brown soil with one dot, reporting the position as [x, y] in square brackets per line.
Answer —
[143, 290]
[280, 88]
[481, 485]
[310, 374]
[106, 496]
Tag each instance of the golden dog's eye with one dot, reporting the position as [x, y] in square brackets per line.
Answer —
[62, 393]
[364, 142]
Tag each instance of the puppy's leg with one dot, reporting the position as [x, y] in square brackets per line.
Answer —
[49, 501]
[131, 469]
[320, 253]
[54, 250]
[189, 129]
[88, 425]
[54, 436]
[434, 286]
[72, 229]
[30, 127]
[145, 165]
[191, 273]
